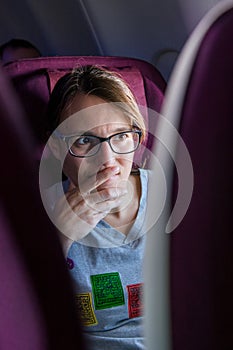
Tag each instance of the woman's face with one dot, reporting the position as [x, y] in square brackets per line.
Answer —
[93, 116]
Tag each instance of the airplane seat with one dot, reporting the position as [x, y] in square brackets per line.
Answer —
[36, 297]
[34, 80]
[199, 103]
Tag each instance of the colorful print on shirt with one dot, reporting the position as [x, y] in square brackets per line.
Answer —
[107, 290]
[135, 302]
[85, 309]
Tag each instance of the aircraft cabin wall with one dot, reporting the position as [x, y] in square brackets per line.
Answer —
[152, 30]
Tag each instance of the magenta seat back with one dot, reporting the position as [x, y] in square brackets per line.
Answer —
[201, 259]
[36, 300]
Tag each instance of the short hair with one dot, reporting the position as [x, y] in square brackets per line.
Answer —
[97, 81]
[16, 43]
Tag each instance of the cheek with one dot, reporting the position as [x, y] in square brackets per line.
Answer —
[126, 164]
[128, 158]
[71, 168]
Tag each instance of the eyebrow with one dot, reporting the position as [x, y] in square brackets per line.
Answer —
[90, 133]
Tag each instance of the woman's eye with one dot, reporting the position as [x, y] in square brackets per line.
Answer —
[122, 137]
[83, 140]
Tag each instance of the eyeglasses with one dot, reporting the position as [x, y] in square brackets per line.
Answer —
[84, 146]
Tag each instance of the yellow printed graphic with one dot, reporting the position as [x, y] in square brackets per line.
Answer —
[84, 305]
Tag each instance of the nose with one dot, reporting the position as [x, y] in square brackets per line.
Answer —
[106, 154]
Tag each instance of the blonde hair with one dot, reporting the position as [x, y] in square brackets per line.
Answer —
[96, 81]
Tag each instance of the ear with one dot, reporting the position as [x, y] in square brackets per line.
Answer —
[55, 147]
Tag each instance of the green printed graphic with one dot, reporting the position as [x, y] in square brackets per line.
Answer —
[107, 290]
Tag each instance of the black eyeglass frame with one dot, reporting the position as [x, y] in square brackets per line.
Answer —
[66, 138]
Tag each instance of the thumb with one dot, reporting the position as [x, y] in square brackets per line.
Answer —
[71, 186]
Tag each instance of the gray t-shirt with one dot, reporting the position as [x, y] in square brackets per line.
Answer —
[108, 282]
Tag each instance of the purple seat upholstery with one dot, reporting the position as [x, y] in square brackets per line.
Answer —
[200, 101]
[35, 78]
[36, 300]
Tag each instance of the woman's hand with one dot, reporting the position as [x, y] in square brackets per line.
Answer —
[77, 213]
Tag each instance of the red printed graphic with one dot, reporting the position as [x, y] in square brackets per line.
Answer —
[135, 299]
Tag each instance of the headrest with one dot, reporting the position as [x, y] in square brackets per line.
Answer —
[34, 80]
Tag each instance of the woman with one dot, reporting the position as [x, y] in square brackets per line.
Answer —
[96, 127]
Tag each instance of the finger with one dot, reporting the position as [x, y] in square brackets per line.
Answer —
[107, 194]
[105, 174]
[71, 186]
[94, 181]
[106, 206]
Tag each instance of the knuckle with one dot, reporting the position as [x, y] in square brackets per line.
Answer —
[109, 193]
